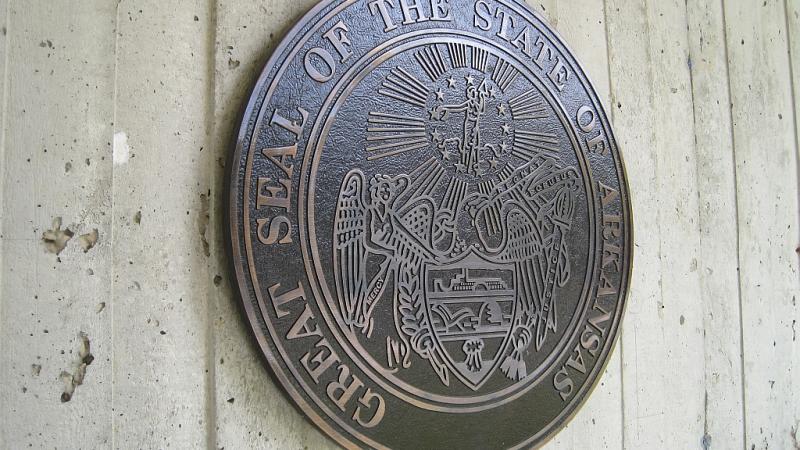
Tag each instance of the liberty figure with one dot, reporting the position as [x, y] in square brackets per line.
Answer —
[473, 107]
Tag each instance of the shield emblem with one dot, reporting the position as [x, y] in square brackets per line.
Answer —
[471, 304]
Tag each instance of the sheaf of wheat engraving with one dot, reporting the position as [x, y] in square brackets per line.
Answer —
[469, 246]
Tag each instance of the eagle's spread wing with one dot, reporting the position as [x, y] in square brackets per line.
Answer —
[416, 221]
[525, 247]
[350, 234]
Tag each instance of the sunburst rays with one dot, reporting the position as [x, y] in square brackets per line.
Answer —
[504, 74]
[528, 105]
[393, 134]
[480, 59]
[458, 54]
[431, 61]
[401, 85]
[529, 144]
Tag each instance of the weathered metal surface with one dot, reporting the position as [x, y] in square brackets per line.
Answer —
[430, 224]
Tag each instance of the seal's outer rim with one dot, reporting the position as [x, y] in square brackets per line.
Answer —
[231, 220]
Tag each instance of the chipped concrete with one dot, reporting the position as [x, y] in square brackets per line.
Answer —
[55, 239]
[89, 240]
[202, 224]
[122, 152]
[73, 380]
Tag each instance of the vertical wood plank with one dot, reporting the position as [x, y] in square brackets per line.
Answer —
[767, 190]
[3, 127]
[162, 376]
[56, 163]
[598, 424]
[252, 411]
[663, 333]
[723, 426]
[793, 24]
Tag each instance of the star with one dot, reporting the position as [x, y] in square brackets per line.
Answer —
[440, 95]
[434, 113]
[470, 80]
[494, 162]
[506, 128]
[451, 81]
[493, 93]
[503, 147]
[437, 137]
[501, 109]
[447, 154]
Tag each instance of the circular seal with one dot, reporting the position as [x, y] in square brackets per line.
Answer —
[429, 224]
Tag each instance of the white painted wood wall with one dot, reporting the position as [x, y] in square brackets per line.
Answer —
[117, 115]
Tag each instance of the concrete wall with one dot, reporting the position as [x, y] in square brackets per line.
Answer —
[116, 120]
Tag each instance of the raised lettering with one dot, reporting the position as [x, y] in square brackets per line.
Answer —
[301, 328]
[380, 6]
[597, 144]
[281, 299]
[441, 10]
[366, 401]
[590, 341]
[275, 227]
[605, 287]
[414, 7]
[290, 125]
[341, 391]
[587, 126]
[545, 52]
[523, 42]
[483, 15]
[322, 361]
[269, 195]
[563, 383]
[506, 24]
[612, 254]
[598, 321]
[286, 155]
[337, 37]
[559, 75]
[575, 361]
[315, 73]
[609, 194]
[612, 227]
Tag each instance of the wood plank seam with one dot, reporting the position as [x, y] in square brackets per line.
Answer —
[4, 125]
[211, 86]
[693, 65]
[794, 100]
[612, 112]
[736, 209]
[698, 193]
[762, 89]
[113, 232]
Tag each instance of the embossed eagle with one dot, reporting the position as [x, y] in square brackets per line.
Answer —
[536, 204]
[379, 241]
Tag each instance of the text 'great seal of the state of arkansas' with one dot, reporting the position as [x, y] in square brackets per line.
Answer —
[429, 224]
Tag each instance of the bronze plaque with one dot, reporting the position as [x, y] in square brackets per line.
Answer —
[430, 224]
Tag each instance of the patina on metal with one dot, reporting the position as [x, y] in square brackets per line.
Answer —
[430, 224]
